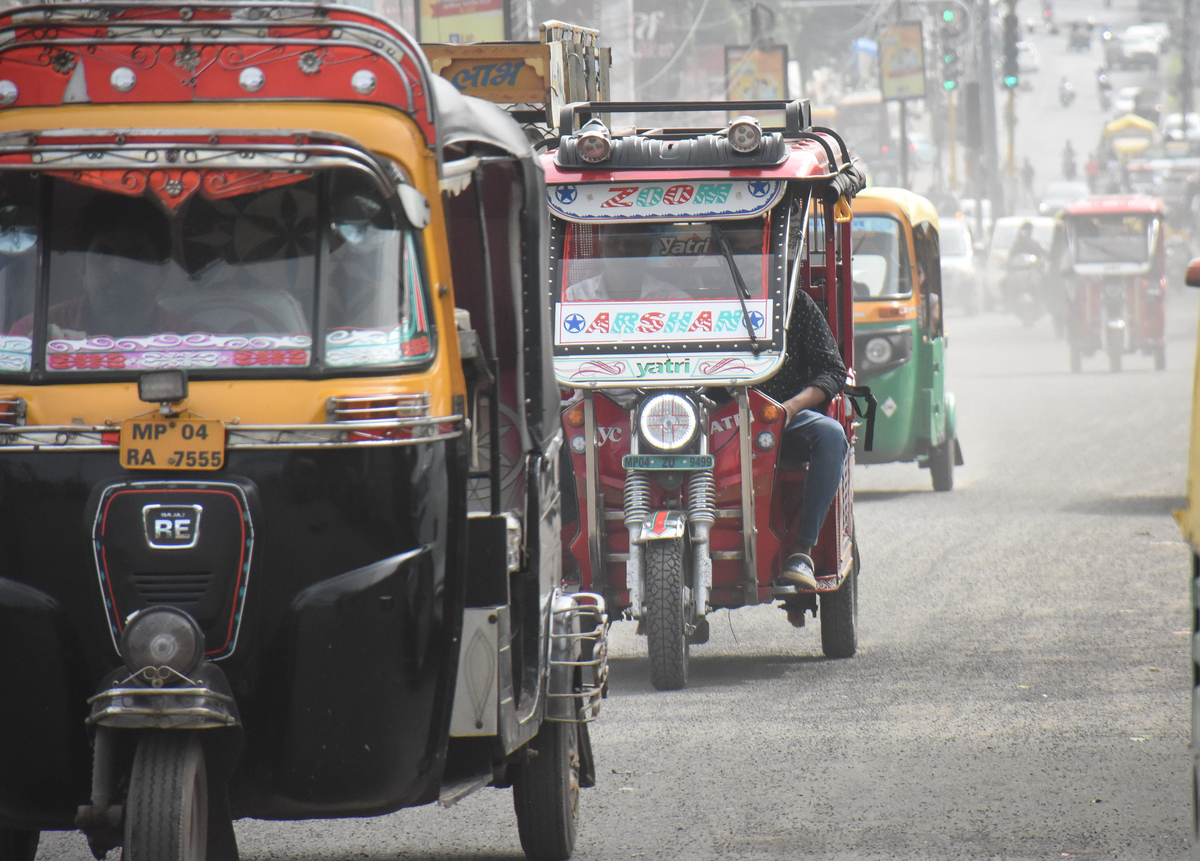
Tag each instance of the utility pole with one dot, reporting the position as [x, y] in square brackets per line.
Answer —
[903, 117]
[987, 104]
[1185, 75]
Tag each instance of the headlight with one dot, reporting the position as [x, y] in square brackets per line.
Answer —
[594, 144]
[668, 422]
[160, 637]
[878, 351]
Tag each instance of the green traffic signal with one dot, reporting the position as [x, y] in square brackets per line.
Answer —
[1010, 80]
[950, 85]
[948, 15]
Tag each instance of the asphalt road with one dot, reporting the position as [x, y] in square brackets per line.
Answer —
[1022, 686]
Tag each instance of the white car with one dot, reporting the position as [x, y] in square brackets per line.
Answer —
[961, 285]
[1141, 46]
[1125, 101]
[1028, 60]
[1173, 127]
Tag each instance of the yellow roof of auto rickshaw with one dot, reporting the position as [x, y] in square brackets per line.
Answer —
[1127, 122]
[914, 207]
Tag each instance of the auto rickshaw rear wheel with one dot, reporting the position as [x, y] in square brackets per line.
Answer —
[839, 614]
[166, 809]
[546, 793]
[18, 844]
[666, 617]
[941, 464]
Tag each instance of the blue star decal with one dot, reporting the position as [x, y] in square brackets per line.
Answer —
[574, 323]
[566, 194]
[756, 320]
[760, 188]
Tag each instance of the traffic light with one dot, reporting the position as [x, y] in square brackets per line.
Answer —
[1012, 35]
[951, 68]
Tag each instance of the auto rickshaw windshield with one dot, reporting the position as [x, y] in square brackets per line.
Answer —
[1111, 238]
[880, 263]
[633, 261]
[225, 281]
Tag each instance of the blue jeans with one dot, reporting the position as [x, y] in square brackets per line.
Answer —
[820, 440]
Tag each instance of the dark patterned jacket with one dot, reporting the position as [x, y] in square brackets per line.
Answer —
[812, 355]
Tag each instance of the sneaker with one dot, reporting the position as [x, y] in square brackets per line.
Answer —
[798, 570]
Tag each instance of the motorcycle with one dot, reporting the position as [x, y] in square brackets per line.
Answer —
[1066, 93]
[1023, 287]
[1104, 90]
[1069, 167]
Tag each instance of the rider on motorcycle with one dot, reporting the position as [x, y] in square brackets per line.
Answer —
[1066, 92]
[1104, 88]
[1068, 161]
[811, 376]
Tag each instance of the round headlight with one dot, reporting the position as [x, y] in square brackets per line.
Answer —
[745, 134]
[160, 637]
[668, 422]
[878, 351]
[578, 444]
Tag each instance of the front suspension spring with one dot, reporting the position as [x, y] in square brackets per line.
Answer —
[702, 506]
[637, 497]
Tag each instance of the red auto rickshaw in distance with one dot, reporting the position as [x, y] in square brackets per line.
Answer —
[1114, 278]
[704, 238]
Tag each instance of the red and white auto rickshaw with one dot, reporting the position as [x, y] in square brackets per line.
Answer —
[705, 238]
[1114, 278]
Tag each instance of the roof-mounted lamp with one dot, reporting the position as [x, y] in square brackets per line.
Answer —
[745, 134]
[594, 143]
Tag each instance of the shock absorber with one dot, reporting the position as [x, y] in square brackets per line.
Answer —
[637, 509]
[702, 514]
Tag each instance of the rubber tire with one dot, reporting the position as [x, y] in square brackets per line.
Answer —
[1115, 347]
[546, 793]
[166, 809]
[666, 619]
[941, 464]
[839, 614]
[17, 844]
[1160, 358]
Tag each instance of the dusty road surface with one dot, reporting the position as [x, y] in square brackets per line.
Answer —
[1021, 691]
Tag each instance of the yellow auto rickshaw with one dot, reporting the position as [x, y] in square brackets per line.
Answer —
[266, 285]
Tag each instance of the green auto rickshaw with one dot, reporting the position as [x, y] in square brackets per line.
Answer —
[899, 339]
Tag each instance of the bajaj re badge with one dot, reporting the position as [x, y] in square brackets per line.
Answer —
[172, 527]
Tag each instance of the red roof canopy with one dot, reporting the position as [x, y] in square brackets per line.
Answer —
[1114, 204]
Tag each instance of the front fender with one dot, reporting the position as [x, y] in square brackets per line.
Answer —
[663, 525]
[951, 416]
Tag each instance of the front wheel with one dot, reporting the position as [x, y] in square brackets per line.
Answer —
[546, 793]
[17, 844]
[839, 613]
[1115, 347]
[666, 619]
[166, 810]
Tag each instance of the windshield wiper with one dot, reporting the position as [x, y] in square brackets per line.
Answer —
[742, 291]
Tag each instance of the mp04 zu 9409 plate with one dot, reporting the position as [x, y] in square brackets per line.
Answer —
[172, 444]
[667, 461]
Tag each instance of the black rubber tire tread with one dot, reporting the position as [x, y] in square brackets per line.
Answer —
[546, 793]
[166, 810]
[941, 464]
[18, 844]
[667, 642]
[839, 615]
[1114, 345]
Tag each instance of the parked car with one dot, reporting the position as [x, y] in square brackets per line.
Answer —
[1141, 46]
[1174, 128]
[1125, 101]
[1058, 194]
[1028, 60]
[979, 217]
[961, 284]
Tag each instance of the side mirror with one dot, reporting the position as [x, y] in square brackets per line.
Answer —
[415, 205]
[1192, 278]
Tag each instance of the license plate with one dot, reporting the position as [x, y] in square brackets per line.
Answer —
[172, 444]
[667, 461]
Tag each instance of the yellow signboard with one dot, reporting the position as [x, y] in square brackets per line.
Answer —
[902, 62]
[753, 74]
[462, 20]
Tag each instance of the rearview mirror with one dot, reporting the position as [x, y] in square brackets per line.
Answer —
[1192, 278]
